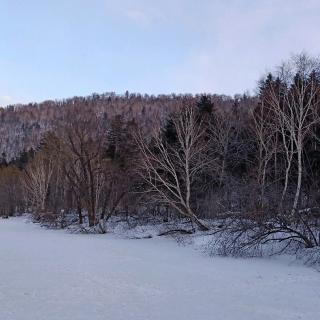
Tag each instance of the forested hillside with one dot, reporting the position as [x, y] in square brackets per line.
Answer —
[251, 164]
[23, 126]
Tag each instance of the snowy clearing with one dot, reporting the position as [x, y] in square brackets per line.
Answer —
[52, 275]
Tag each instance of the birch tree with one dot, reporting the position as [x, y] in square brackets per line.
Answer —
[171, 170]
[295, 105]
[36, 180]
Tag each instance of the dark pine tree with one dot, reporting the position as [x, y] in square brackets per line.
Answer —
[205, 105]
[169, 132]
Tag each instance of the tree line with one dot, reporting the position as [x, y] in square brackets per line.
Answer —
[246, 167]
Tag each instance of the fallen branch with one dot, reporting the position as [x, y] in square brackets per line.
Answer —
[182, 231]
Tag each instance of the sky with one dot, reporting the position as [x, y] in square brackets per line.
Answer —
[53, 49]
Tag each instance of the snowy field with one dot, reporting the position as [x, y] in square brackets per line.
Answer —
[53, 275]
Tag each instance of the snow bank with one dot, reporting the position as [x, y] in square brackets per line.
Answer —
[47, 274]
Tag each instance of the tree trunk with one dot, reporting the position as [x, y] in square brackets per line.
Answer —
[298, 190]
[197, 221]
[91, 217]
[201, 225]
[80, 214]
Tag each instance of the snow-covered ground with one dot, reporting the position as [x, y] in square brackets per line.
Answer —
[53, 275]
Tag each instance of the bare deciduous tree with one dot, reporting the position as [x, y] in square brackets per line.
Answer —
[265, 132]
[81, 147]
[295, 107]
[36, 180]
[220, 131]
[170, 171]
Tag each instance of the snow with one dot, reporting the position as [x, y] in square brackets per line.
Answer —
[47, 274]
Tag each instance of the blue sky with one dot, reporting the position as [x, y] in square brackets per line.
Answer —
[60, 48]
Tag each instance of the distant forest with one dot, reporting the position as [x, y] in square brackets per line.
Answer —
[245, 166]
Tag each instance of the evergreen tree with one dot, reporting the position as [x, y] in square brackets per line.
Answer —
[169, 132]
[205, 105]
